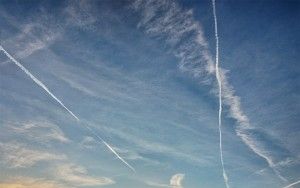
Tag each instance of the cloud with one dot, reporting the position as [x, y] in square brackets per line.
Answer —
[28, 182]
[79, 13]
[36, 34]
[225, 177]
[167, 21]
[45, 88]
[77, 176]
[41, 131]
[88, 142]
[17, 155]
[38, 82]
[155, 147]
[292, 184]
[175, 182]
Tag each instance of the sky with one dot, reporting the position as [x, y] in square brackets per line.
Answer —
[125, 94]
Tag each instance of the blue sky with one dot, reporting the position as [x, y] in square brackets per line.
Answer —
[140, 75]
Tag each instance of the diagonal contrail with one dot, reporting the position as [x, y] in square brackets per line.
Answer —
[220, 93]
[43, 86]
[37, 81]
[110, 148]
[292, 184]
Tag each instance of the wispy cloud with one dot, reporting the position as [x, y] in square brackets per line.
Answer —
[175, 182]
[75, 175]
[144, 145]
[18, 155]
[36, 34]
[166, 20]
[88, 142]
[45, 88]
[41, 131]
[28, 182]
[79, 13]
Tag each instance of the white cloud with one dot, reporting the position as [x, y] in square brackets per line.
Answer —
[88, 142]
[18, 155]
[33, 36]
[41, 131]
[77, 176]
[175, 182]
[168, 21]
[292, 184]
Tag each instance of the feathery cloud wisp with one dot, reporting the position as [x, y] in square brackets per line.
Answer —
[77, 175]
[39, 130]
[17, 155]
[167, 21]
[38, 82]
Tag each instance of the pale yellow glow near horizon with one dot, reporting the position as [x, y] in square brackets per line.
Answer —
[28, 185]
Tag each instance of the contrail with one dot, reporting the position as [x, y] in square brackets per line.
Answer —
[110, 148]
[38, 82]
[292, 184]
[220, 92]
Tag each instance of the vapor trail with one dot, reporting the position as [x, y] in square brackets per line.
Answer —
[220, 92]
[292, 184]
[110, 148]
[119, 157]
[38, 82]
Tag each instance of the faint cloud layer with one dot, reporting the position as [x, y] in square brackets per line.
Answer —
[41, 131]
[19, 155]
[27, 182]
[77, 176]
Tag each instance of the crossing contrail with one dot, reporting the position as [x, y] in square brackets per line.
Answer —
[43, 86]
[220, 93]
[292, 184]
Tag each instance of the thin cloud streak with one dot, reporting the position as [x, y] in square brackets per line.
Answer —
[292, 184]
[19, 156]
[38, 82]
[41, 131]
[184, 36]
[111, 149]
[220, 93]
[75, 175]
